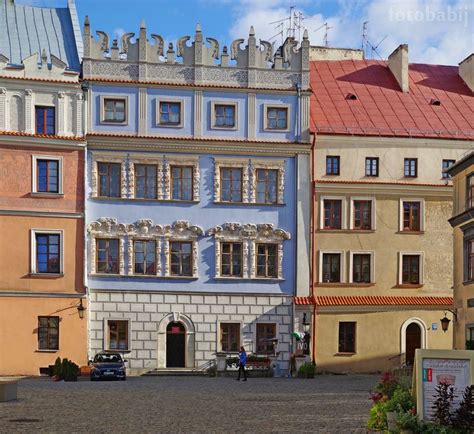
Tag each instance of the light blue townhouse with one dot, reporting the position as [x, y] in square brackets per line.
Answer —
[197, 196]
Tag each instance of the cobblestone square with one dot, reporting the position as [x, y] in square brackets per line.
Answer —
[327, 404]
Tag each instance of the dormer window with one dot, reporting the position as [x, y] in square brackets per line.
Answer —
[435, 101]
[351, 96]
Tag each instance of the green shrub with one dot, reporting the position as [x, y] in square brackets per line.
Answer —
[307, 370]
[401, 401]
[66, 369]
[378, 417]
[409, 421]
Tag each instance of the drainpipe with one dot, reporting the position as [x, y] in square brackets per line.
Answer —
[313, 248]
[298, 112]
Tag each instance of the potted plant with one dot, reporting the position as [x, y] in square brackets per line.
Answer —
[401, 401]
[307, 370]
[57, 370]
[408, 422]
[72, 371]
[65, 370]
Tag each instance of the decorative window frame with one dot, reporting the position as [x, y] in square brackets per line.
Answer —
[235, 104]
[160, 100]
[218, 333]
[373, 213]
[243, 164]
[102, 98]
[132, 161]
[277, 334]
[34, 174]
[278, 165]
[108, 228]
[267, 106]
[109, 158]
[191, 161]
[181, 230]
[144, 230]
[422, 212]
[107, 333]
[351, 264]
[33, 233]
[249, 235]
[343, 199]
[400, 266]
[341, 271]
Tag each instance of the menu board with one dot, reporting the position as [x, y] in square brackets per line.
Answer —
[455, 372]
[433, 367]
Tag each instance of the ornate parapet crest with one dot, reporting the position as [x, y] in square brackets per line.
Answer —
[202, 60]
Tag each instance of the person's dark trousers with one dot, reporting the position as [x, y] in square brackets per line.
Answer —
[242, 368]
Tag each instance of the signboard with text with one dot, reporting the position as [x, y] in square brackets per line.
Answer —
[433, 367]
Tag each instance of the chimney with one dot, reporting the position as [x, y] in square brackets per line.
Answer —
[466, 71]
[398, 64]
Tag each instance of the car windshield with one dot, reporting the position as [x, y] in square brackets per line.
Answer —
[108, 358]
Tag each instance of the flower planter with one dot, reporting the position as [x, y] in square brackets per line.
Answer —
[221, 362]
[392, 417]
[299, 360]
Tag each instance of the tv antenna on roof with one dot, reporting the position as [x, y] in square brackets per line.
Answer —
[374, 48]
[364, 36]
[290, 25]
[326, 33]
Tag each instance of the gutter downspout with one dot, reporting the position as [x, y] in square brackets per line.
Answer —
[313, 249]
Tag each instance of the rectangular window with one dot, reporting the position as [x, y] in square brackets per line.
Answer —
[470, 260]
[118, 335]
[48, 253]
[371, 166]
[109, 179]
[470, 338]
[145, 257]
[363, 214]
[181, 183]
[45, 120]
[181, 258]
[115, 110]
[267, 185]
[267, 259]
[411, 167]
[470, 192]
[332, 213]
[361, 264]
[230, 337]
[145, 181]
[332, 165]
[412, 216]
[277, 118]
[224, 116]
[231, 185]
[266, 338]
[231, 259]
[107, 256]
[48, 333]
[445, 166]
[347, 333]
[170, 113]
[47, 172]
[331, 267]
[411, 270]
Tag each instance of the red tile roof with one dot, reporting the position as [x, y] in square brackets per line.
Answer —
[415, 184]
[375, 300]
[40, 136]
[382, 109]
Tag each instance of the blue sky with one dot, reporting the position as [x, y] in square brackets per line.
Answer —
[437, 31]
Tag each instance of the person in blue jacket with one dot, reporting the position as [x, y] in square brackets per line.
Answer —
[242, 363]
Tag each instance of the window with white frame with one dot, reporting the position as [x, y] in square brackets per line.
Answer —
[361, 267]
[331, 266]
[181, 178]
[108, 175]
[114, 109]
[412, 215]
[47, 175]
[169, 113]
[332, 212]
[276, 117]
[362, 216]
[249, 250]
[268, 181]
[410, 268]
[117, 334]
[47, 251]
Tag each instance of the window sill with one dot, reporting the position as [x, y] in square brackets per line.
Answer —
[343, 354]
[118, 350]
[46, 195]
[139, 199]
[148, 276]
[107, 274]
[159, 125]
[261, 279]
[468, 282]
[408, 286]
[276, 130]
[411, 232]
[120, 123]
[347, 231]
[233, 128]
[46, 275]
[46, 351]
[345, 285]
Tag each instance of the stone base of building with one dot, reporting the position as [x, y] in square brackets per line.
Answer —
[384, 339]
[153, 318]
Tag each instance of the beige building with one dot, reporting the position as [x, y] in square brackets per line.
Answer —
[463, 224]
[382, 246]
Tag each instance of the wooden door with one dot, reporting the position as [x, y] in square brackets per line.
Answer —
[413, 341]
[175, 345]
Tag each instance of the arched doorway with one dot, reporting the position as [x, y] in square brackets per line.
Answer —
[413, 341]
[175, 345]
